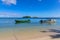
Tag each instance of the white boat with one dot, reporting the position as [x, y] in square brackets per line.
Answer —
[51, 21]
[48, 21]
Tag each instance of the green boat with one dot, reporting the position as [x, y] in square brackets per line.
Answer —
[22, 21]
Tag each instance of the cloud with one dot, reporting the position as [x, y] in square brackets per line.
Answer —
[9, 2]
[9, 14]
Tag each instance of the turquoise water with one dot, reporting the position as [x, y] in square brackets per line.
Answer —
[7, 24]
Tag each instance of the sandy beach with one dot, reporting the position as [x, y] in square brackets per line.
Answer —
[29, 19]
[27, 35]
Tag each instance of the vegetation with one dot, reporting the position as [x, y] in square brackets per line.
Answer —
[26, 17]
[22, 21]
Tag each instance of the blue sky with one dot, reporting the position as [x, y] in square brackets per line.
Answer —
[19, 8]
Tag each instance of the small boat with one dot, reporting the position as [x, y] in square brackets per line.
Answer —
[51, 21]
[48, 21]
[22, 21]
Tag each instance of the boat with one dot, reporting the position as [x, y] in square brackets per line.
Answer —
[51, 21]
[22, 21]
[48, 21]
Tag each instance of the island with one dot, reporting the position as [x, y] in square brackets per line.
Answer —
[26, 17]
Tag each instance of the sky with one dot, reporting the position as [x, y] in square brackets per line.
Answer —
[39, 8]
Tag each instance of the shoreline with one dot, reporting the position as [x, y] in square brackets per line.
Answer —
[28, 35]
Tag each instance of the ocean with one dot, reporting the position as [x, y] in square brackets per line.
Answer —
[8, 24]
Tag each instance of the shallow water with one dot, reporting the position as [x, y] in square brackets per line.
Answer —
[8, 24]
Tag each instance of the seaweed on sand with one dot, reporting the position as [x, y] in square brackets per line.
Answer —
[43, 31]
[55, 36]
[54, 30]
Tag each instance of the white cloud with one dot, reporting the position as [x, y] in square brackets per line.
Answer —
[9, 2]
[9, 14]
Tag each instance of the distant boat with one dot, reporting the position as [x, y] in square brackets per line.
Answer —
[48, 21]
